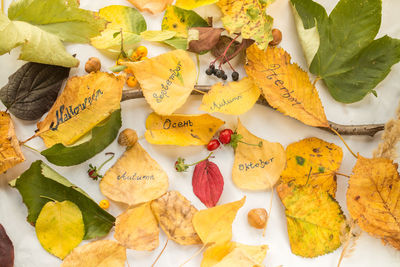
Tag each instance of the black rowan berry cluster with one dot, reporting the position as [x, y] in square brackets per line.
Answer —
[220, 73]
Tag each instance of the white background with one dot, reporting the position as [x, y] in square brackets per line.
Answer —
[262, 121]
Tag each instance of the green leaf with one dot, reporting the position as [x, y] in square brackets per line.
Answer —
[177, 42]
[102, 135]
[40, 183]
[157, 36]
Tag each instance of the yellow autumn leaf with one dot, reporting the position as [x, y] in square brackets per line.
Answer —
[257, 168]
[191, 4]
[135, 178]
[237, 257]
[285, 85]
[137, 228]
[85, 102]
[102, 253]
[59, 227]
[10, 151]
[166, 80]
[216, 253]
[233, 98]
[151, 6]
[214, 225]
[174, 213]
[315, 162]
[181, 130]
[373, 196]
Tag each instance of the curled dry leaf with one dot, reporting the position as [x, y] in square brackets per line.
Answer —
[257, 168]
[166, 80]
[135, 178]
[314, 162]
[202, 39]
[207, 183]
[233, 98]
[181, 130]
[102, 253]
[6, 249]
[285, 85]
[84, 103]
[137, 228]
[174, 213]
[10, 151]
[237, 257]
[214, 225]
[151, 6]
[59, 227]
[372, 197]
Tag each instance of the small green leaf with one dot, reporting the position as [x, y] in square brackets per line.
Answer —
[177, 42]
[116, 34]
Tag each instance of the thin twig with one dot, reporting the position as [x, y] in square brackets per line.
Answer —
[159, 255]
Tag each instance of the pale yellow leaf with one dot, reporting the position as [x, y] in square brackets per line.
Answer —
[151, 6]
[237, 257]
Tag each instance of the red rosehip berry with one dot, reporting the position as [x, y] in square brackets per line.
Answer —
[225, 136]
[92, 174]
[213, 145]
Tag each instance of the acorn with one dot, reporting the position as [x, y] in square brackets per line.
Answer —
[127, 137]
[93, 65]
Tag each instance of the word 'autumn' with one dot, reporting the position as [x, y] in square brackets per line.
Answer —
[225, 102]
[64, 114]
[135, 177]
[164, 91]
[169, 124]
[251, 165]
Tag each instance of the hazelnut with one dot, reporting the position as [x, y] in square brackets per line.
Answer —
[93, 65]
[127, 137]
[257, 218]
[277, 35]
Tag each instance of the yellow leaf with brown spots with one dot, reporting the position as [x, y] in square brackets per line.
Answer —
[137, 228]
[373, 198]
[151, 6]
[174, 213]
[314, 162]
[10, 151]
[285, 85]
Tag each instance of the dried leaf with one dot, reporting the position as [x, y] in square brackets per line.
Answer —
[372, 197]
[137, 228]
[191, 4]
[135, 178]
[32, 90]
[166, 80]
[233, 98]
[6, 249]
[202, 39]
[60, 228]
[214, 225]
[151, 6]
[285, 85]
[10, 150]
[314, 162]
[181, 130]
[84, 103]
[207, 183]
[257, 168]
[314, 220]
[174, 213]
[102, 253]
[237, 257]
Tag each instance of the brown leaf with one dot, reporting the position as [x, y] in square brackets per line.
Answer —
[208, 37]
[6, 249]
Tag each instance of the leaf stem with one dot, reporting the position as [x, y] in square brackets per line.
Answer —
[316, 80]
[260, 144]
[159, 255]
[52, 199]
[34, 149]
[342, 174]
[344, 142]
[198, 68]
[194, 255]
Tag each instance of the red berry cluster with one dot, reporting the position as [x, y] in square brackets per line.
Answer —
[225, 137]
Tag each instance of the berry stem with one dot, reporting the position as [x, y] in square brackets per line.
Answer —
[209, 155]
[112, 156]
[229, 63]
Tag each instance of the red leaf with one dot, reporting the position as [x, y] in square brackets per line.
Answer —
[6, 249]
[207, 183]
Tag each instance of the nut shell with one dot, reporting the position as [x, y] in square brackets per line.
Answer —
[93, 65]
[127, 137]
[277, 35]
[257, 218]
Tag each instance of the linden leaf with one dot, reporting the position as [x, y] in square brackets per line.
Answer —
[314, 220]
[102, 253]
[249, 18]
[257, 168]
[59, 227]
[124, 18]
[181, 130]
[6, 249]
[214, 225]
[166, 80]
[10, 150]
[174, 213]
[135, 178]
[372, 197]
[192, 4]
[314, 162]
[233, 98]
[84, 103]
[151, 6]
[237, 257]
[137, 228]
[285, 85]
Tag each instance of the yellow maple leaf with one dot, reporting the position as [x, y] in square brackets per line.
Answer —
[214, 225]
[181, 130]
[174, 214]
[233, 98]
[85, 102]
[373, 196]
[237, 257]
[135, 178]
[314, 162]
[285, 86]
[10, 151]
[137, 228]
[166, 80]
[257, 168]
[151, 6]
[102, 253]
